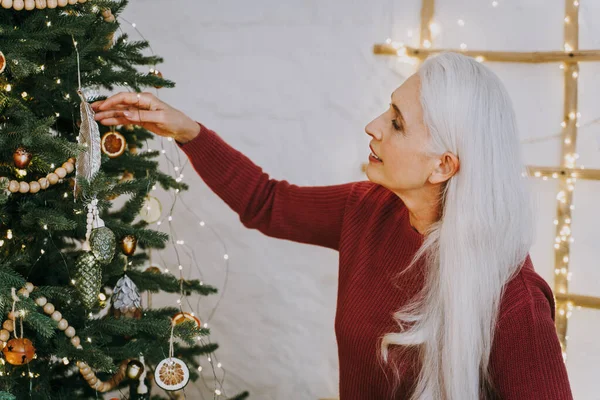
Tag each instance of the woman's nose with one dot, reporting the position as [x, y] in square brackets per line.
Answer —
[372, 130]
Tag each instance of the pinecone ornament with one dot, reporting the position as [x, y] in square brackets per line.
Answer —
[103, 244]
[88, 279]
[126, 299]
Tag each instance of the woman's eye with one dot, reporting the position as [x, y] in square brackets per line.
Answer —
[396, 126]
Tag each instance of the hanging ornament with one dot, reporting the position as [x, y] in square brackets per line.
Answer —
[134, 369]
[126, 299]
[154, 269]
[132, 146]
[103, 244]
[2, 62]
[88, 279]
[113, 144]
[126, 177]
[158, 74]
[21, 158]
[88, 162]
[151, 209]
[108, 16]
[142, 387]
[186, 316]
[172, 374]
[128, 245]
[19, 351]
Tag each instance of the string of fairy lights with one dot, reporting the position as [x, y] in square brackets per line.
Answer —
[177, 242]
[175, 168]
[569, 127]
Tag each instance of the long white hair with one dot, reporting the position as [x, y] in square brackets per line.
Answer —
[482, 238]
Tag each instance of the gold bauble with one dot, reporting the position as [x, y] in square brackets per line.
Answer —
[21, 158]
[128, 245]
[19, 351]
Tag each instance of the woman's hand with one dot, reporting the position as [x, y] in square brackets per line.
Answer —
[147, 111]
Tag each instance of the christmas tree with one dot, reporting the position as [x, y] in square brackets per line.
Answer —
[72, 264]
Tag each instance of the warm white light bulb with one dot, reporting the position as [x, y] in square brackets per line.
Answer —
[463, 46]
[461, 22]
[435, 29]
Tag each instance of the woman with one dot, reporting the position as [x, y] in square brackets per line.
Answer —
[437, 296]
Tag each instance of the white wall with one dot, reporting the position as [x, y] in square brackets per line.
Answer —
[292, 85]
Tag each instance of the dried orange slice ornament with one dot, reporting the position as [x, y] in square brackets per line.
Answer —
[186, 316]
[2, 62]
[113, 144]
[172, 374]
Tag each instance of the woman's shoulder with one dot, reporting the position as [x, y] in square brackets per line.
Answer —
[369, 193]
[526, 293]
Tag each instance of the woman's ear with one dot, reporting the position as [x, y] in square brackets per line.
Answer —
[447, 166]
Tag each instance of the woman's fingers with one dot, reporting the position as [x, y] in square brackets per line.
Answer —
[116, 107]
[141, 100]
[130, 115]
[115, 121]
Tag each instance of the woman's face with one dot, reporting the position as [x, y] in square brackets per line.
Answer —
[399, 139]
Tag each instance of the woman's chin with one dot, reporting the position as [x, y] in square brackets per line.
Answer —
[372, 175]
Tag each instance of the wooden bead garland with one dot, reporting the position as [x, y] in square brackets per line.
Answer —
[43, 183]
[37, 4]
[86, 371]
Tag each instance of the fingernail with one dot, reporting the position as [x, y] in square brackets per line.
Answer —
[127, 114]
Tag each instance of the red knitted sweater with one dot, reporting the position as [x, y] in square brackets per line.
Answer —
[369, 226]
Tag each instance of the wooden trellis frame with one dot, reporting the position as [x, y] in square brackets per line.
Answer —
[567, 174]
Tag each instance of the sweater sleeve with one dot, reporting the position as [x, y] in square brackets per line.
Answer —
[309, 214]
[526, 359]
